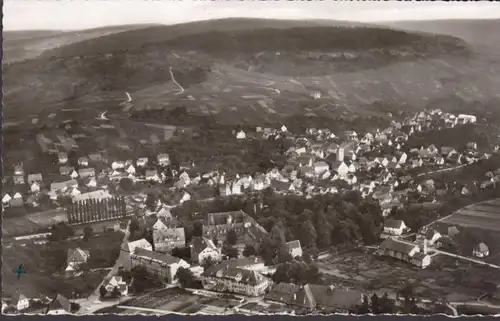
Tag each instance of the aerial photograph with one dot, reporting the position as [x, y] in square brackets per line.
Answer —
[251, 158]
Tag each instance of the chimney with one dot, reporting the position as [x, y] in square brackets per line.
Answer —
[425, 246]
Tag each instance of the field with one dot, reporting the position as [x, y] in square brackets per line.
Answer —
[44, 264]
[485, 215]
[31, 223]
[176, 300]
[456, 281]
[476, 223]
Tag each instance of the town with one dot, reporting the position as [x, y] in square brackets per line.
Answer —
[397, 220]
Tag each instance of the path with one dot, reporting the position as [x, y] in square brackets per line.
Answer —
[175, 81]
[102, 116]
[92, 303]
[442, 170]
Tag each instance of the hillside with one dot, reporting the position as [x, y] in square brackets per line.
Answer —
[29, 44]
[475, 32]
[267, 68]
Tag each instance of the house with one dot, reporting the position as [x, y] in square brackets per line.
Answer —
[142, 162]
[86, 172]
[163, 159]
[35, 187]
[139, 244]
[131, 170]
[447, 151]
[60, 305]
[394, 227]
[117, 282]
[472, 145]
[19, 170]
[202, 248]
[167, 239]
[321, 167]
[294, 248]
[163, 265]
[65, 170]
[17, 200]
[431, 235]
[313, 297]
[464, 119]
[73, 174]
[83, 161]
[405, 251]
[63, 186]
[481, 250]
[340, 168]
[254, 235]
[95, 157]
[185, 197]
[217, 225]
[152, 175]
[95, 195]
[228, 278]
[283, 129]
[118, 165]
[164, 212]
[62, 157]
[402, 158]
[18, 179]
[241, 135]
[282, 187]
[22, 302]
[76, 257]
[6, 200]
[32, 178]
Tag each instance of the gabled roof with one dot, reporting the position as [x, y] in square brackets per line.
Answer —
[166, 259]
[201, 243]
[397, 246]
[481, 247]
[77, 255]
[293, 245]
[174, 234]
[59, 302]
[227, 271]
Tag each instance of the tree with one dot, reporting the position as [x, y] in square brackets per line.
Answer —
[103, 291]
[231, 237]
[126, 184]
[134, 225]
[230, 251]
[365, 306]
[185, 277]
[386, 305]
[375, 304]
[151, 201]
[207, 263]
[249, 250]
[87, 233]
[116, 292]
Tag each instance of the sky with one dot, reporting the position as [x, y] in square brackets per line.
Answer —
[84, 14]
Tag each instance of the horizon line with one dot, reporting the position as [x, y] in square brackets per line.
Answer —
[373, 23]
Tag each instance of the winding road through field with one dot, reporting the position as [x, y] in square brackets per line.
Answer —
[175, 81]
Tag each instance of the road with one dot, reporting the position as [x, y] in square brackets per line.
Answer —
[92, 303]
[175, 81]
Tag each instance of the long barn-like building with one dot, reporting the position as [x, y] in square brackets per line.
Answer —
[96, 210]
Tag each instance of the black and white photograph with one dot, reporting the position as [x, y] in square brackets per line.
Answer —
[250, 158]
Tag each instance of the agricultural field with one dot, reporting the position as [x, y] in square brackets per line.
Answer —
[456, 281]
[178, 300]
[31, 223]
[476, 223]
[485, 215]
